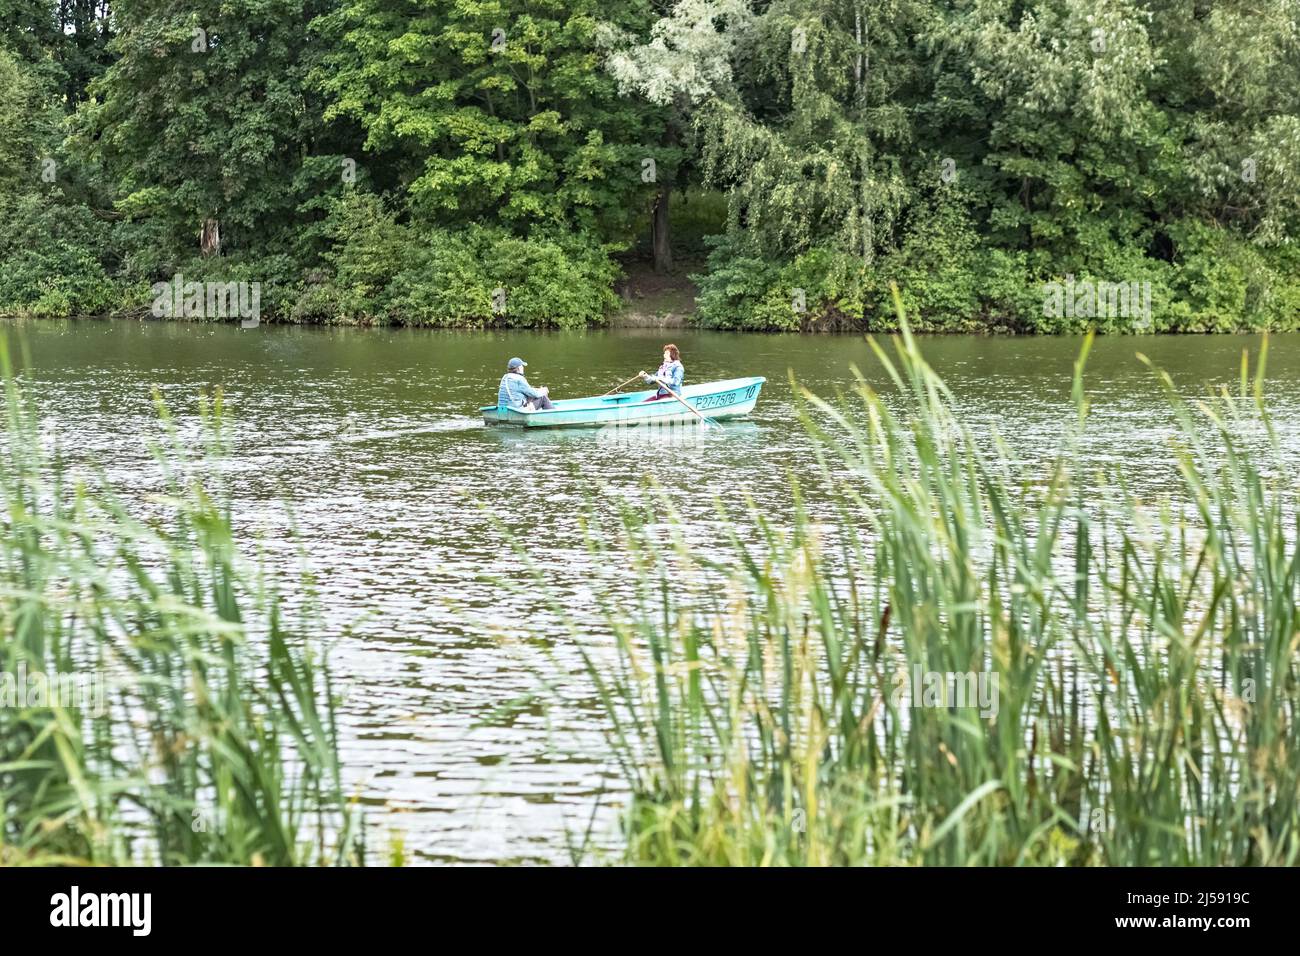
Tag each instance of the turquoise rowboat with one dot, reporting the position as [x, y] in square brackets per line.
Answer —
[717, 400]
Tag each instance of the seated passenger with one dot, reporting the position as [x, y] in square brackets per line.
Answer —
[515, 392]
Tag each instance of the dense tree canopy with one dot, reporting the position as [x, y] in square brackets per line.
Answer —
[499, 161]
[495, 111]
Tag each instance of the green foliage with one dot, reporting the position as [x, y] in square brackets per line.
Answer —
[817, 290]
[1222, 282]
[236, 116]
[937, 266]
[1016, 144]
[64, 43]
[947, 280]
[50, 251]
[52, 245]
[809, 146]
[698, 216]
[489, 110]
[972, 153]
[384, 271]
[25, 123]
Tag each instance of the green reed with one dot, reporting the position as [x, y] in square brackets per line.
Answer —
[1146, 706]
[213, 736]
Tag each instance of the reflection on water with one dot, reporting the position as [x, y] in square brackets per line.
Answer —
[410, 511]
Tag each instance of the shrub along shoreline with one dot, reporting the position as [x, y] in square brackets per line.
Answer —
[447, 284]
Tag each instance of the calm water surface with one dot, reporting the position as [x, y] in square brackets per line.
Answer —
[405, 507]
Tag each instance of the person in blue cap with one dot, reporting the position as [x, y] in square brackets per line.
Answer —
[515, 392]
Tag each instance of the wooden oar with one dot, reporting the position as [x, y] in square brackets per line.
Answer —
[689, 406]
[628, 382]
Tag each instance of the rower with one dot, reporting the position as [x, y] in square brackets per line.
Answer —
[671, 373]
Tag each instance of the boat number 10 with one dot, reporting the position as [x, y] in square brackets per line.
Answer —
[726, 398]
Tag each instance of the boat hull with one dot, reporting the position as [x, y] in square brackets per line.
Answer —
[732, 398]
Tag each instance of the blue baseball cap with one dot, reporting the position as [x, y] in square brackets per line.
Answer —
[516, 363]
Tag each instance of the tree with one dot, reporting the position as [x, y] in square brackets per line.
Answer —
[205, 118]
[816, 149]
[66, 42]
[686, 61]
[490, 111]
[1060, 132]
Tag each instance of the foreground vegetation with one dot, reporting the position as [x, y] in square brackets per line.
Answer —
[494, 161]
[1141, 653]
[192, 724]
[1147, 710]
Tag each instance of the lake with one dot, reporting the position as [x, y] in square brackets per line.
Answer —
[361, 453]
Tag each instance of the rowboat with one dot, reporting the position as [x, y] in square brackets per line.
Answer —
[731, 398]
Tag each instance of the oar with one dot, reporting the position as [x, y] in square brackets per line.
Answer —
[628, 382]
[689, 406]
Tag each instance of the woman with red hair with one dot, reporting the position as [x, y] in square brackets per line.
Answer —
[670, 373]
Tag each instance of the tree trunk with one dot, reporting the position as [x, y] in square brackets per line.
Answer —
[868, 240]
[210, 239]
[857, 67]
[659, 230]
[660, 223]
